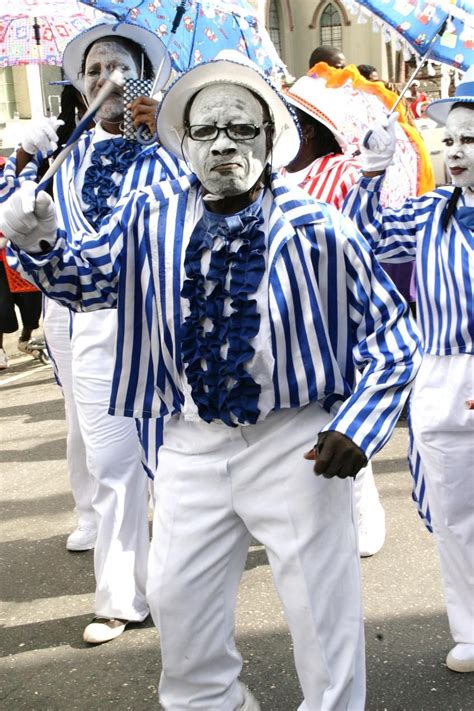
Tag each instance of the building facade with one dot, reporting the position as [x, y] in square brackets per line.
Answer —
[298, 26]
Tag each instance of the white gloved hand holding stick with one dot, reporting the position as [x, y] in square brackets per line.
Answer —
[29, 220]
[41, 136]
[378, 146]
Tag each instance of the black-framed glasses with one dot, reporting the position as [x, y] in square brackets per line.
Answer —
[234, 131]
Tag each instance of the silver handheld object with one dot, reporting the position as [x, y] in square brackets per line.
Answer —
[131, 89]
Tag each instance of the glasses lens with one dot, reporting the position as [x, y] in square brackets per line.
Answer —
[202, 132]
[242, 131]
[235, 131]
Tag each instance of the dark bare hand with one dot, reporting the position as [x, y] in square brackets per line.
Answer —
[143, 110]
[336, 455]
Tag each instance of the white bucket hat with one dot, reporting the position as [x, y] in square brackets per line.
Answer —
[149, 42]
[228, 67]
[311, 95]
[439, 109]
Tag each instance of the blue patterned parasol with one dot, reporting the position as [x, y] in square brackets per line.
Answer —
[442, 28]
[36, 31]
[205, 28]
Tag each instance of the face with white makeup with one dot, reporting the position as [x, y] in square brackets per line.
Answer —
[102, 58]
[227, 167]
[459, 145]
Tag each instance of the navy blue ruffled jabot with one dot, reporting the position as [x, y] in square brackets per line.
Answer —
[215, 340]
[112, 155]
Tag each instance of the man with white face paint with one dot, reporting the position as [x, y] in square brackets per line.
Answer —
[107, 476]
[437, 230]
[228, 167]
[245, 309]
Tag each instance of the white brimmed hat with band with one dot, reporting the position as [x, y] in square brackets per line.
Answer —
[439, 109]
[311, 95]
[152, 46]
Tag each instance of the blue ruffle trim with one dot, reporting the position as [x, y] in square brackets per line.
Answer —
[221, 387]
[113, 155]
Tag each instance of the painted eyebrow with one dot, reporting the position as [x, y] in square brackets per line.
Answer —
[99, 63]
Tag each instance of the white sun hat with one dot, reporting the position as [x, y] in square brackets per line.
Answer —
[439, 109]
[311, 95]
[149, 42]
[228, 67]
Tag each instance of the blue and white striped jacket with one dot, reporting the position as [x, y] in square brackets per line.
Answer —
[331, 308]
[444, 259]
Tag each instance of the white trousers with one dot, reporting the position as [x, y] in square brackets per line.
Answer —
[215, 486]
[114, 459]
[56, 327]
[444, 433]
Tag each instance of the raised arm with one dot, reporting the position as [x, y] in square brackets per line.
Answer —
[392, 233]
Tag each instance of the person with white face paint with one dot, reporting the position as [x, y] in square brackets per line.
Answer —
[107, 475]
[437, 230]
[227, 165]
[99, 62]
[245, 309]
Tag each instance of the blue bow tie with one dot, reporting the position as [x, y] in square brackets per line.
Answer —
[465, 215]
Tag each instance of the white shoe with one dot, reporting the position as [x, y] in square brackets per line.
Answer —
[249, 703]
[32, 345]
[82, 539]
[102, 630]
[24, 346]
[371, 530]
[3, 360]
[461, 658]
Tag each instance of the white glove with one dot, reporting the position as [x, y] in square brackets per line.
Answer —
[27, 220]
[378, 146]
[41, 136]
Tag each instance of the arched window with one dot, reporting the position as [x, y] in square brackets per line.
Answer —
[274, 25]
[331, 26]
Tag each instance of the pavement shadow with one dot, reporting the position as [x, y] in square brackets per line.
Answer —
[33, 570]
[48, 377]
[36, 411]
[21, 366]
[13, 509]
[389, 466]
[50, 634]
[256, 558]
[48, 451]
[43, 635]
[402, 423]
